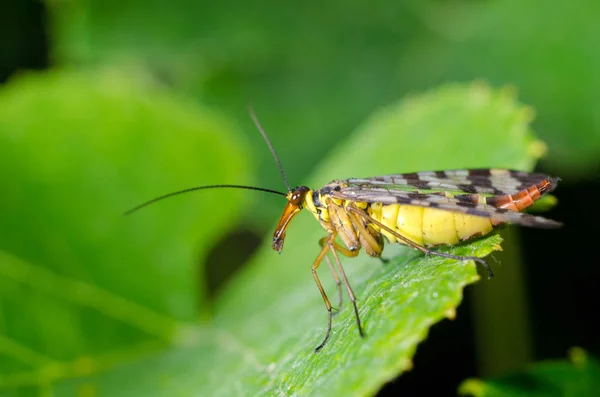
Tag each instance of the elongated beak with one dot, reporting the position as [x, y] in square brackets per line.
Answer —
[288, 213]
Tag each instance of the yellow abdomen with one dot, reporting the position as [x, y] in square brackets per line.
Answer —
[428, 226]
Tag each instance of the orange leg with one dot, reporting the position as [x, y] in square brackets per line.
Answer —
[315, 266]
[338, 283]
[329, 244]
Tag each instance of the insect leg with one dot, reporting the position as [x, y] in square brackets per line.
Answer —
[334, 248]
[336, 277]
[346, 252]
[425, 250]
[315, 266]
[370, 243]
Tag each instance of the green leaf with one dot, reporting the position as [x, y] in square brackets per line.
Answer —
[360, 58]
[545, 203]
[77, 149]
[234, 52]
[268, 320]
[579, 376]
[508, 41]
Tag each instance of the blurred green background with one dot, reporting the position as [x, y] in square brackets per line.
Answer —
[104, 104]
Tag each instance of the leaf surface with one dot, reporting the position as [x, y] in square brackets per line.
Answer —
[268, 320]
[577, 376]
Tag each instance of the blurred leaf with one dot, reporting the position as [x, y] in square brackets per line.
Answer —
[293, 62]
[269, 319]
[77, 149]
[545, 203]
[312, 71]
[550, 53]
[580, 376]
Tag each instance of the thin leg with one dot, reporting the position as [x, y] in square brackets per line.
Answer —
[315, 266]
[348, 287]
[324, 241]
[338, 284]
[329, 244]
[414, 245]
[342, 250]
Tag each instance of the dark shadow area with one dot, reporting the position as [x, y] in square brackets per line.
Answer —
[23, 41]
[442, 361]
[227, 257]
[562, 273]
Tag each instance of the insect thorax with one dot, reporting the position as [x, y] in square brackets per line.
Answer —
[316, 201]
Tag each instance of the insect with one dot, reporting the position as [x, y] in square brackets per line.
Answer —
[421, 210]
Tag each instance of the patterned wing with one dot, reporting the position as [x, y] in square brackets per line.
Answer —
[490, 193]
[489, 181]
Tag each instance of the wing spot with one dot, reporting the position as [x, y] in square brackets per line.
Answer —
[467, 188]
[418, 196]
[411, 176]
[481, 172]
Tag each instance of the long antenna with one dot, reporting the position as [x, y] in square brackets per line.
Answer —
[264, 134]
[260, 189]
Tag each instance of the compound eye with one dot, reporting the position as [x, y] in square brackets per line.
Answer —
[298, 195]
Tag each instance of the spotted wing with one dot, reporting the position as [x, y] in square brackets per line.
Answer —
[475, 192]
[484, 181]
